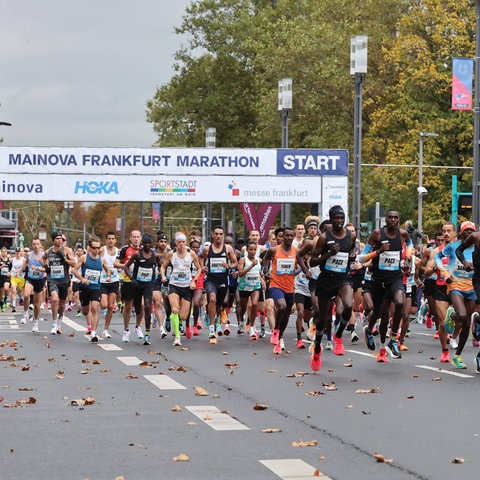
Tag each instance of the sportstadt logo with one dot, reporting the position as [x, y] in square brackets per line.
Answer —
[233, 187]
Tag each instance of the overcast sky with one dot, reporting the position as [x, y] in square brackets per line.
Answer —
[79, 72]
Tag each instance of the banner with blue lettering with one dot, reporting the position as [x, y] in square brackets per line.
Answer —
[462, 75]
[312, 162]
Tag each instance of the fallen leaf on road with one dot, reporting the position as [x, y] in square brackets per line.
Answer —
[182, 369]
[104, 370]
[97, 362]
[272, 430]
[130, 376]
[415, 375]
[272, 371]
[191, 424]
[59, 377]
[330, 387]
[381, 459]
[231, 365]
[225, 353]
[176, 408]
[25, 368]
[151, 352]
[437, 379]
[348, 364]
[259, 406]
[2, 399]
[299, 384]
[366, 413]
[371, 390]
[51, 360]
[331, 370]
[458, 460]
[316, 473]
[71, 334]
[201, 392]
[301, 443]
[89, 401]
[85, 360]
[144, 364]
[348, 406]
[410, 396]
[138, 445]
[181, 458]
[314, 393]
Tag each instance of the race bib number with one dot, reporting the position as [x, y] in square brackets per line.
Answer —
[113, 275]
[389, 261]
[144, 274]
[4, 271]
[285, 266]
[57, 271]
[35, 274]
[459, 270]
[93, 276]
[252, 281]
[216, 265]
[182, 276]
[337, 263]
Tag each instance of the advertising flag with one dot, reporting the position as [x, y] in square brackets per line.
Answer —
[462, 83]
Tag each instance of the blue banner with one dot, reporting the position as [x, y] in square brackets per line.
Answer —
[312, 162]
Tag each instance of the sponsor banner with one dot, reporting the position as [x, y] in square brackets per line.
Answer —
[172, 161]
[261, 218]
[335, 192]
[462, 76]
[312, 162]
[156, 212]
[162, 188]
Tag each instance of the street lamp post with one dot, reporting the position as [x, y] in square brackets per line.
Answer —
[421, 189]
[358, 69]
[210, 142]
[68, 206]
[285, 94]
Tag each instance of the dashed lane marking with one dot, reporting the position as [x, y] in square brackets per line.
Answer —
[76, 326]
[109, 346]
[164, 382]
[448, 372]
[365, 354]
[130, 361]
[215, 418]
[293, 469]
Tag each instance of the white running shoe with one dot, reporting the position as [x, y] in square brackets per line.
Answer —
[105, 334]
[35, 326]
[24, 319]
[329, 345]
[177, 342]
[163, 333]
[312, 330]
[453, 343]
[138, 331]
[53, 330]
[282, 344]
[126, 336]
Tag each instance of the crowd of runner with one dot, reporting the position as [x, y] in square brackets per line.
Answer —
[318, 271]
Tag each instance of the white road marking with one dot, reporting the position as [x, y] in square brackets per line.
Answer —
[293, 469]
[76, 326]
[365, 354]
[215, 418]
[448, 372]
[109, 346]
[130, 361]
[164, 382]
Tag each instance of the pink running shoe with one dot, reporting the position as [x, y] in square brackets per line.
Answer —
[188, 332]
[436, 336]
[277, 349]
[382, 355]
[316, 360]
[195, 332]
[300, 344]
[445, 357]
[338, 348]
[274, 338]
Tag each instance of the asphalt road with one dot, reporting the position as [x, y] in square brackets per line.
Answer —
[137, 418]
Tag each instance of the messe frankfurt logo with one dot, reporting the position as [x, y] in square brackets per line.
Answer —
[233, 187]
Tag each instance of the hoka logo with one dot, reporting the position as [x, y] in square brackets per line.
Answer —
[96, 188]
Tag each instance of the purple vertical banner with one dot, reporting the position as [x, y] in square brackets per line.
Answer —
[249, 215]
[266, 215]
[462, 75]
[156, 212]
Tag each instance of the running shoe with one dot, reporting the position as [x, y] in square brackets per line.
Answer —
[89, 329]
[188, 332]
[476, 326]
[94, 338]
[53, 330]
[154, 321]
[382, 356]
[393, 349]
[181, 328]
[126, 336]
[241, 327]
[300, 344]
[35, 326]
[368, 336]
[449, 322]
[428, 321]
[224, 317]
[146, 339]
[14, 310]
[453, 343]
[338, 348]
[253, 333]
[163, 333]
[402, 347]
[30, 307]
[354, 337]
[445, 358]
[213, 339]
[24, 319]
[312, 330]
[457, 362]
[196, 333]
[79, 313]
[199, 325]
[274, 338]
[59, 326]
[316, 360]
[282, 344]
[206, 320]
[226, 329]
[476, 343]
[177, 342]
[106, 334]
[477, 362]
[138, 332]
[262, 332]
[277, 349]
[329, 345]
[436, 335]
[168, 325]
[218, 329]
